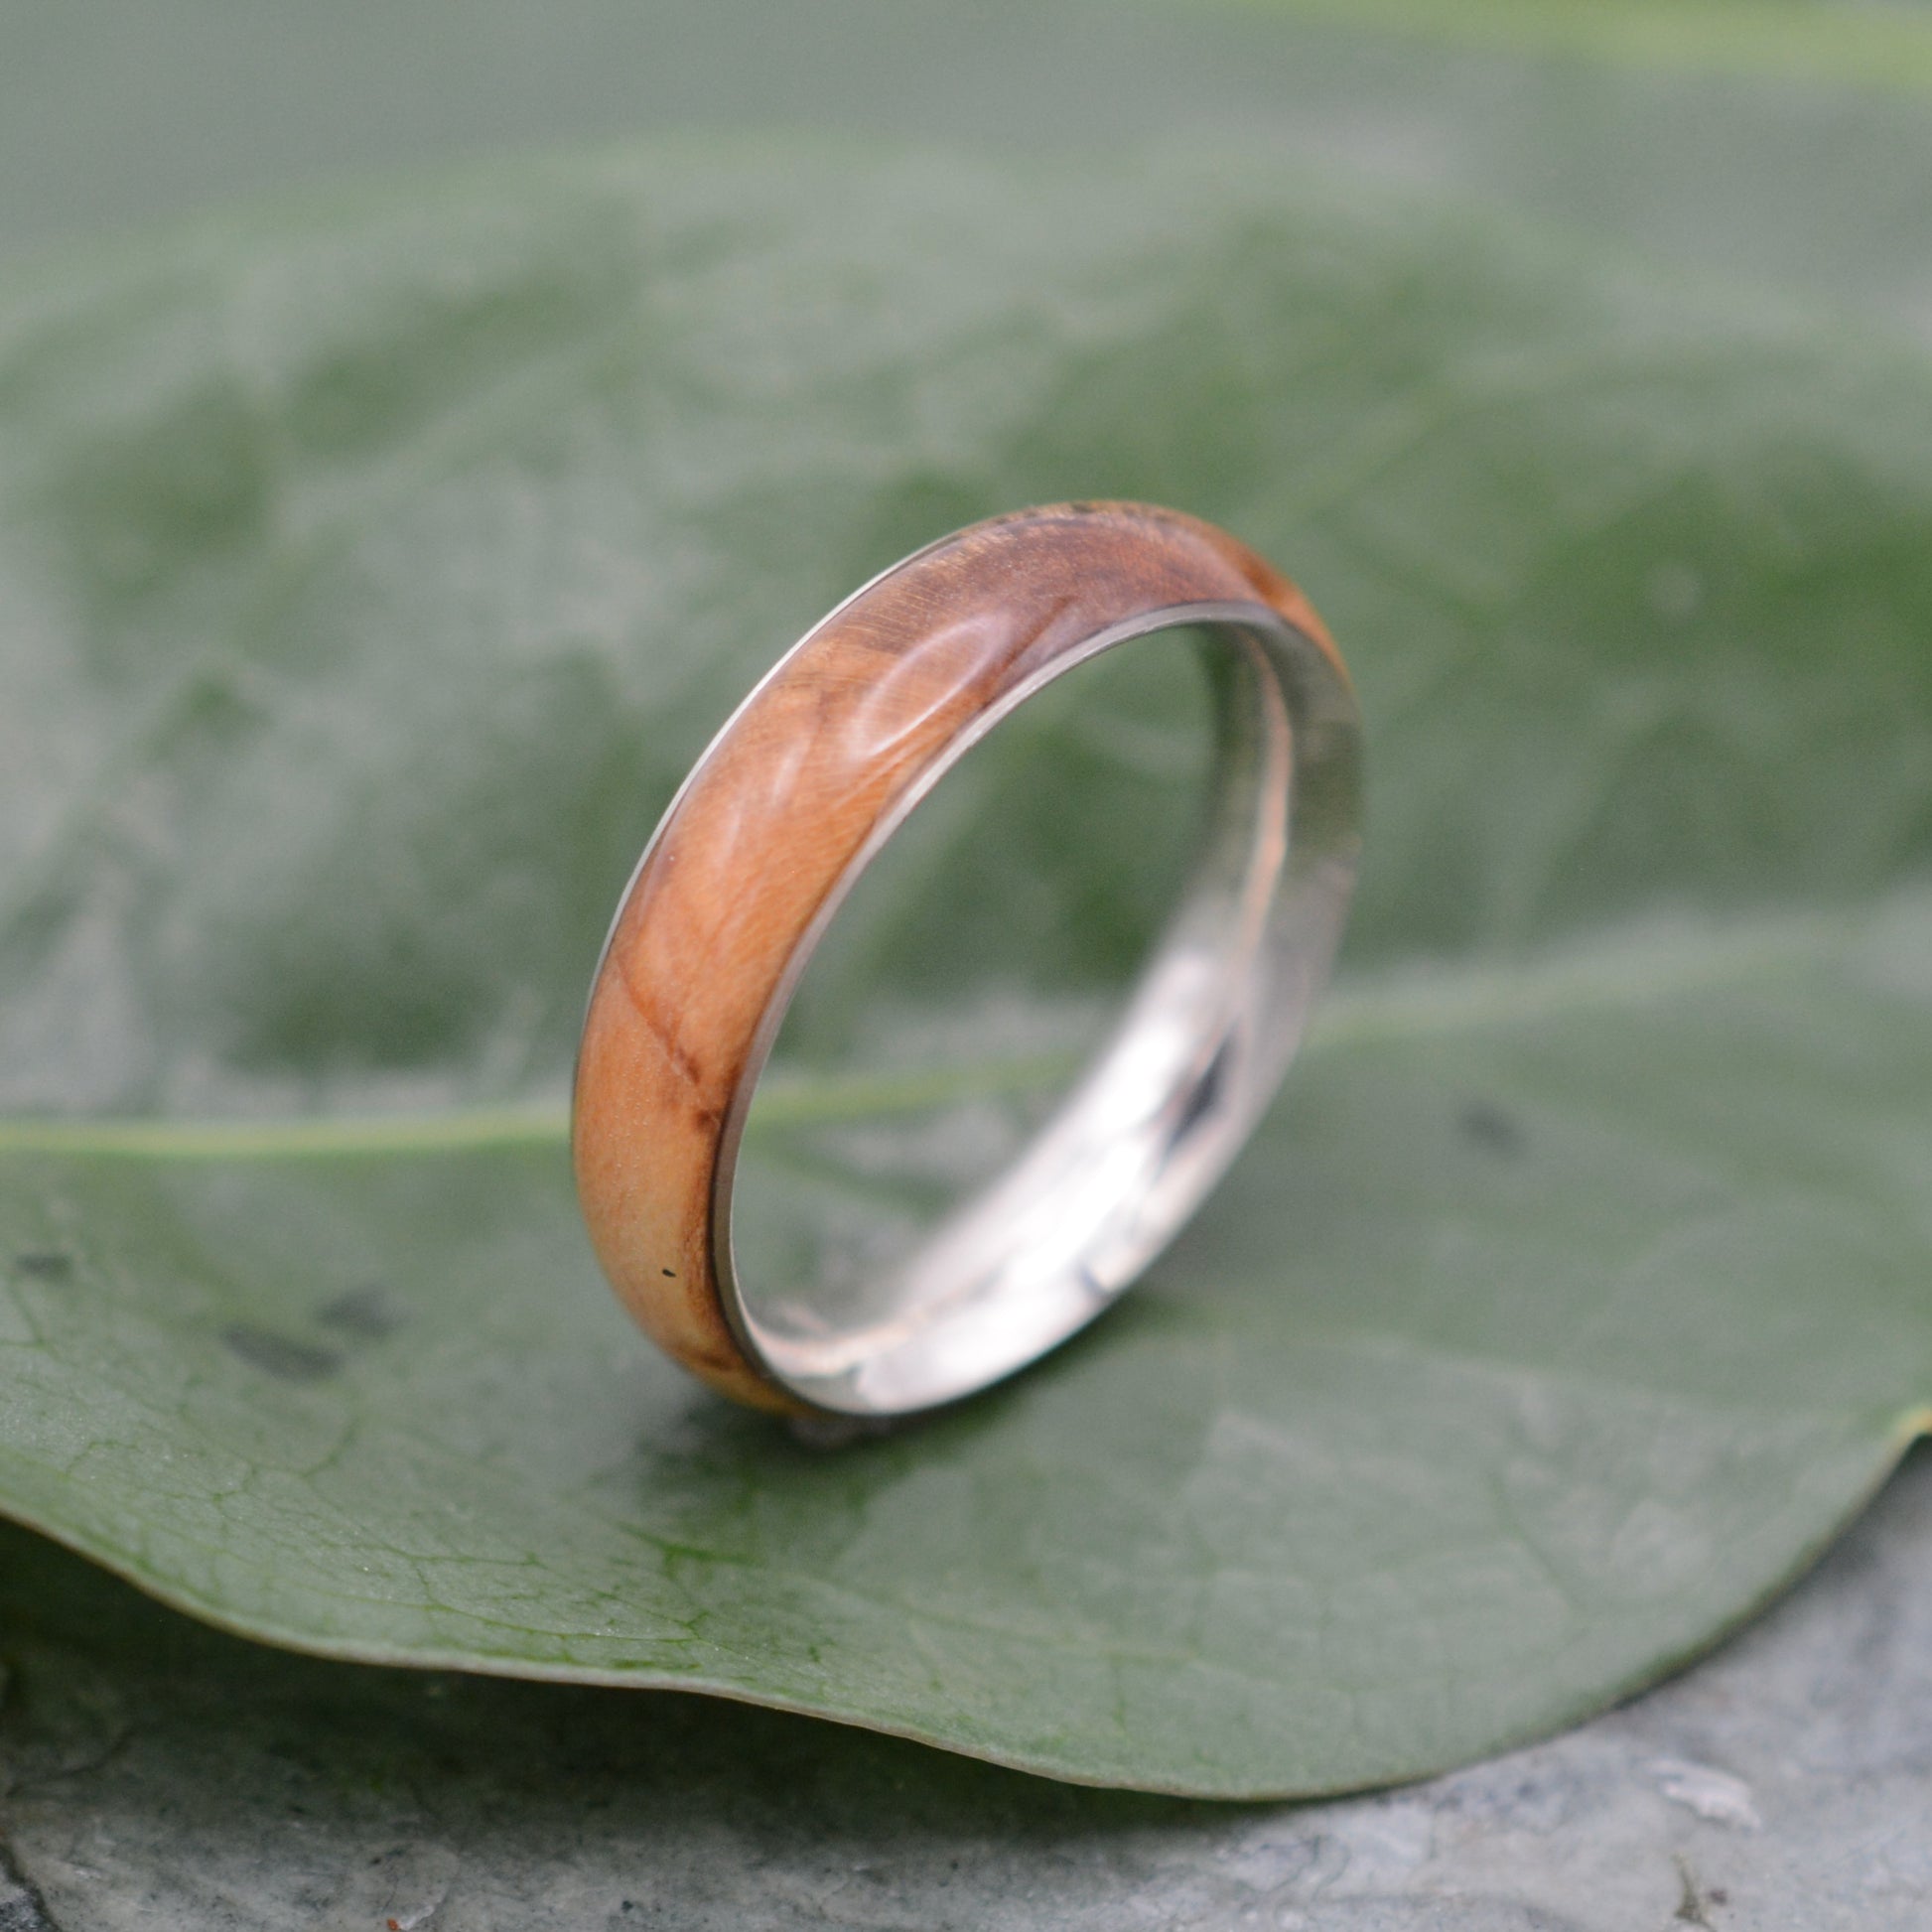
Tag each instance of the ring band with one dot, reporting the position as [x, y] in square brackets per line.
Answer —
[790, 803]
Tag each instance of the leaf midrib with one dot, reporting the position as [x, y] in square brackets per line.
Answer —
[1438, 1002]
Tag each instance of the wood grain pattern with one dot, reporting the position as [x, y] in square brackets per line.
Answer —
[774, 815]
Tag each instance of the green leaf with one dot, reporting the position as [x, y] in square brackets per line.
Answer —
[368, 579]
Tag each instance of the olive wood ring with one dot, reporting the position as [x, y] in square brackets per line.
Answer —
[795, 795]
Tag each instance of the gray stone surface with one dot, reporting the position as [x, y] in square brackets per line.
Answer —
[160, 1775]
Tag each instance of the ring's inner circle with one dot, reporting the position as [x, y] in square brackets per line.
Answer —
[975, 968]
[967, 1142]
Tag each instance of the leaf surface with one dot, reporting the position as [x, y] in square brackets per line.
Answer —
[368, 580]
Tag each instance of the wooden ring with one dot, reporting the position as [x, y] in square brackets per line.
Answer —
[792, 799]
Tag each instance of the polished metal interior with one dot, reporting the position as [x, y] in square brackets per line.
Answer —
[1206, 1036]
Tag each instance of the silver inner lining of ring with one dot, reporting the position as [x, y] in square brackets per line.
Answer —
[1200, 1047]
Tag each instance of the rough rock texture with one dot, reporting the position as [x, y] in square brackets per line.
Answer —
[159, 1775]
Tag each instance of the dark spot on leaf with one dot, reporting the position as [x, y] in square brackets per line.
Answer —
[277, 1355]
[671, 1273]
[1492, 1129]
[367, 1314]
[45, 1264]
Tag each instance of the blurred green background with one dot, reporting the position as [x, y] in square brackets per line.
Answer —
[1775, 140]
